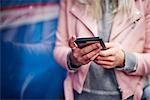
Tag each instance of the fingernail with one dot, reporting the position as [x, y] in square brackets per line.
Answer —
[75, 44]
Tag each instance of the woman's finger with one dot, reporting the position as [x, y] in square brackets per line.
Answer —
[89, 48]
[108, 58]
[105, 63]
[92, 54]
[109, 45]
[108, 52]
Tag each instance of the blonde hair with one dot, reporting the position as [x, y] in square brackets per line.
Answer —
[123, 7]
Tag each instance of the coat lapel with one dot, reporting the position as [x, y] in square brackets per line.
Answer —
[79, 11]
[119, 25]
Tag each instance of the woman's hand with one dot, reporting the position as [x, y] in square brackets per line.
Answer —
[85, 55]
[111, 57]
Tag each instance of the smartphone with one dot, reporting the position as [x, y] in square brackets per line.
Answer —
[82, 42]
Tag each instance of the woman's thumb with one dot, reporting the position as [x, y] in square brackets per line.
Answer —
[71, 43]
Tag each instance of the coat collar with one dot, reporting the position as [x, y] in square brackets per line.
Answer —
[79, 11]
[120, 25]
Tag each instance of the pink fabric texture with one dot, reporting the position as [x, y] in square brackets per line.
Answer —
[131, 34]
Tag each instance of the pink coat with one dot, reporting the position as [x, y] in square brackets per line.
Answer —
[132, 35]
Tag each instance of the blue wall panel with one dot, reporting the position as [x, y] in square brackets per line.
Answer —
[28, 67]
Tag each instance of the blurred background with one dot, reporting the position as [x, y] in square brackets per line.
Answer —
[27, 32]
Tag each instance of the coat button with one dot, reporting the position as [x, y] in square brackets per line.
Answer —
[73, 9]
[137, 13]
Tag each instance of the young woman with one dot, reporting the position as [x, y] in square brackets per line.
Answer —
[115, 73]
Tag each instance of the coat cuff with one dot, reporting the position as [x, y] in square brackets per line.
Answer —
[71, 66]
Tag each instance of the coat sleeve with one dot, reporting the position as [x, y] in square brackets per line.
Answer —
[143, 59]
[62, 49]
